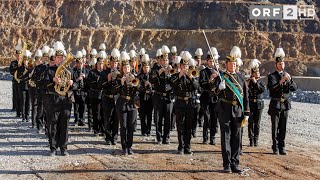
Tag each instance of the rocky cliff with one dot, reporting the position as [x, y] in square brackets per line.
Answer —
[147, 23]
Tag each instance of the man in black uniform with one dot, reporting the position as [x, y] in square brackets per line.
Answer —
[108, 84]
[256, 87]
[13, 68]
[183, 84]
[280, 84]
[58, 104]
[80, 94]
[23, 93]
[162, 98]
[233, 108]
[209, 99]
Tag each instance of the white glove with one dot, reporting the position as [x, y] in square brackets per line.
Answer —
[222, 85]
[246, 118]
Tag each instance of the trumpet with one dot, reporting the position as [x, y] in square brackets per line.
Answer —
[114, 73]
[132, 80]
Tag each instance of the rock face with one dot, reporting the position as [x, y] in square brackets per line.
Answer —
[147, 23]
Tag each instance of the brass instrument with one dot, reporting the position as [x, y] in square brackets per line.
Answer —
[132, 80]
[65, 76]
[194, 72]
[173, 71]
[114, 73]
[24, 48]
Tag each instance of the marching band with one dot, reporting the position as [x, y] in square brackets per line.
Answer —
[110, 92]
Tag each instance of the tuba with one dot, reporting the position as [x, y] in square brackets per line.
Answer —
[194, 72]
[65, 75]
[24, 48]
[132, 80]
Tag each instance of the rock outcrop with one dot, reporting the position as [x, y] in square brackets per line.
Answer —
[147, 23]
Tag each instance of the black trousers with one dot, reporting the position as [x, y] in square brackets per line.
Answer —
[24, 103]
[162, 117]
[184, 117]
[89, 112]
[79, 108]
[146, 116]
[34, 105]
[173, 119]
[97, 115]
[279, 126]
[58, 116]
[195, 119]
[16, 96]
[230, 139]
[40, 119]
[254, 124]
[111, 121]
[127, 120]
[210, 120]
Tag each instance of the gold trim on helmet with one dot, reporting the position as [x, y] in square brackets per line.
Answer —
[230, 58]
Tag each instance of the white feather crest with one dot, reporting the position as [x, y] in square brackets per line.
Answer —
[235, 52]
[93, 61]
[177, 60]
[132, 54]
[254, 63]
[84, 52]
[115, 53]
[102, 55]
[27, 54]
[145, 58]
[51, 52]
[181, 53]
[79, 54]
[142, 51]
[124, 56]
[19, 45]
[279, 53]
[158, 53]
[45, 50]
[173, 49]
[58, 46]
[38, 53]
[192, 62]
[239, 62]
[102, 47]
[165, 49]
[186, 56]
[199, 52]
[93, 52]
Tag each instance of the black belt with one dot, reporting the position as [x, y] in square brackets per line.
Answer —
[128, 98]
[279, 99]
[255, 100]
[186, 98]
[162, 94]
[229, 102]
[53, 93]
[111, 96]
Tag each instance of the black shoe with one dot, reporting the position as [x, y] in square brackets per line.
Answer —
[227, 169]
[194, 135]
[251, 143]
[205, 141]
[188, 151]
[166, 142]
[276, 152]
[108, 142]
[143, 134]
[180, 152]
[114, 142]
[81, 123]
[125, 151]
[18, 115]
[64, 153]
[255, 142]
[283, 152]
[213, 142]
[236, 169]
[130, 151]
[53, 153]
[200, 124]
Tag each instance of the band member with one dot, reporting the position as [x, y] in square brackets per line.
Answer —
[256, 87]
[133, 62]
[15, 87]
[145, 93]
[183, 84]
[95, 93]
[173, 55]
[156, 64]
[126, 104]
[23, 93]
[80, 94]
[108, 82]
[194, 65]
[41, 91]
[33, 89]
[91, 63]
[233, 108]
[280, 84]
[162, 98]
[58, 101]
[208, 98]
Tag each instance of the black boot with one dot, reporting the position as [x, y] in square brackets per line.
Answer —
[251, 143]
[256, 142]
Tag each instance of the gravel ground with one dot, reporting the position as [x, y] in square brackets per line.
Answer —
[24, 153]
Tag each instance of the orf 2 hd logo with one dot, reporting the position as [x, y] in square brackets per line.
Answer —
[285, 12]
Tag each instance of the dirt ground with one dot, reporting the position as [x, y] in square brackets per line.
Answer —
[24, 154]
